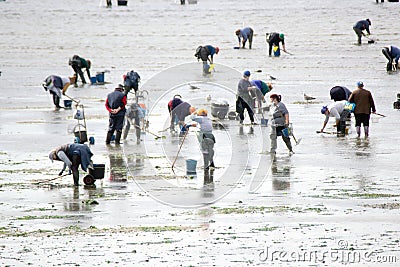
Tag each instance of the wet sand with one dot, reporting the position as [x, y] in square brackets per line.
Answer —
[333, 203]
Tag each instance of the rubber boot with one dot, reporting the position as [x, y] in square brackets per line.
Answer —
[108, 139]
[288, 143]
[76, 178]
[358, 131]
[137, 135]
[366, 131]
[125, 134]
[118, 137]
[56, 101]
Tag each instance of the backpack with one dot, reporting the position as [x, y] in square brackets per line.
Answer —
[197, 53]
[132, 80]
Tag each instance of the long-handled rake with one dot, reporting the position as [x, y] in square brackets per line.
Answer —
[51, 179]
[176, 157]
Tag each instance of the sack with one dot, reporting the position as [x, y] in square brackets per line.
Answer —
[349, 106]
[197, 53]
[132, 80]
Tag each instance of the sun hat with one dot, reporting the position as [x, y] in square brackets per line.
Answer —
[202, 112]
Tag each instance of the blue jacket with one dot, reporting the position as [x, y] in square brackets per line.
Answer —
[362, 25]
[395, 53]
[83, 151]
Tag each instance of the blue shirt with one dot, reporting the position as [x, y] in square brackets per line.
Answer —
[211, 49]
[244, 33]
[395, 53]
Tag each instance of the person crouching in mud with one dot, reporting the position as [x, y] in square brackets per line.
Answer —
[279, 122]
[338, 111]
[57, 85]
[205, 136]
[73, 155]
[133, 115]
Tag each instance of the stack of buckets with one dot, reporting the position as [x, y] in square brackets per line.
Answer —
[99, 78]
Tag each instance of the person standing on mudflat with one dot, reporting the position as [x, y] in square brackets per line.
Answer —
[115, 104]
[364, 105]
[243, 98]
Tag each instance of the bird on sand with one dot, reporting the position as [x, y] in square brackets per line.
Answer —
[308, 98]
[193, 87]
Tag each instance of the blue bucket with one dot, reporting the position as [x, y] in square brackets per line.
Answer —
[67, 103]
[264, 122]
[93, 80]
[277, 51]
[191, 166]
[100, 77]
[286, 132]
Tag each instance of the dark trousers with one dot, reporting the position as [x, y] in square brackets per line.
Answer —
[245, 106]
[56, 100]
[78, 71]
[341, 127]
[386, 53]
[76, 161]
[116, 124]
[359, 34]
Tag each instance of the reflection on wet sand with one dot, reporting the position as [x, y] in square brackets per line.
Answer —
[118, 170]
[209, 186]
[280, 170]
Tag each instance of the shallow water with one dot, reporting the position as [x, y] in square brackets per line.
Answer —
[333, 190]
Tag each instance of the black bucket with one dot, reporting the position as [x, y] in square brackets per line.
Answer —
[98, 171]
[67, 103]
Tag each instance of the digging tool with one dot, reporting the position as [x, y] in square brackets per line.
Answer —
[176, 157]
[146, 130]
[73, 99]
[327, 132]
[379, 114]
[48, 180]
[294, 138]
[166, 129]
[297, 141]
[288, 52]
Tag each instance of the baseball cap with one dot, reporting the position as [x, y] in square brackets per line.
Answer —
[360, 84]
[246, 73]
[324, 109]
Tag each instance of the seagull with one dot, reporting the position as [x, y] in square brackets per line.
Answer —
[193, 87]
[308, 98]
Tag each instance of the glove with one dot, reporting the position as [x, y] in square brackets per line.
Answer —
[187, 126]
[61, 172]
